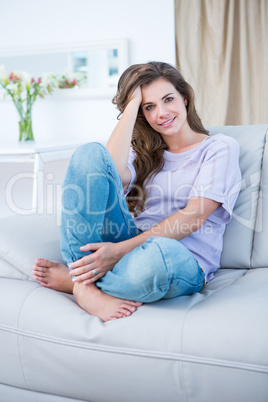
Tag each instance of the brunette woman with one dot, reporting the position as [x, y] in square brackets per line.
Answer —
[143, 218]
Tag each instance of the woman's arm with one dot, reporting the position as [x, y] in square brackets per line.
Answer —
[177, 226]
[120, 140]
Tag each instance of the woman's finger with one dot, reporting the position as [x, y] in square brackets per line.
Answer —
[82, 270]
[93, 279]
[89, 277]
[91, 246]
[88, 259]
[82, 262]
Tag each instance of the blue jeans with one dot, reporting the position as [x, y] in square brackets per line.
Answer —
[95, 210]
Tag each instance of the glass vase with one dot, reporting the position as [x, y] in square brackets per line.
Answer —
[26, 129]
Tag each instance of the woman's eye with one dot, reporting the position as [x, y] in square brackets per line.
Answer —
[169, 99]
[149, 107]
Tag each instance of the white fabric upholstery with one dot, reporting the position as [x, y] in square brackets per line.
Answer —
[260, 248]
[194, 346]
[211, 346]
[242, 228]
[23, 239]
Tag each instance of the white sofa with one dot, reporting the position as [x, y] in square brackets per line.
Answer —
[208, 347]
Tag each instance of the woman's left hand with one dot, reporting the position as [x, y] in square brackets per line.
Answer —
[95, 265]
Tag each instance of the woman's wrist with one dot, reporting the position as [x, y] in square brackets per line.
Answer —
[136, 97]
[124, 247]
[133, 106]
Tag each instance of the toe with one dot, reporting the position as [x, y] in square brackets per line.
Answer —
[126, 308]
[44, 284]
[132, 303]
[42, 262]
[38, 278]
[123, 313]
[38, 271]
[39, 262]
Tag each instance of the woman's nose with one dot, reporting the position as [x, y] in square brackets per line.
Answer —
[163, 111]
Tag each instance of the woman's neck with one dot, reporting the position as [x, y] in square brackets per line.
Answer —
[184, 142]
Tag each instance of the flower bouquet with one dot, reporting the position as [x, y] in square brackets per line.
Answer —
[24, 90]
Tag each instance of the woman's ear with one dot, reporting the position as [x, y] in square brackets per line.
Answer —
[185, 101]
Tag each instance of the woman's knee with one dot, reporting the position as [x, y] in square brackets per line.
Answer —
[149, 260]
[89, 156]
[177, 259]
[166, 246]
[142, 263]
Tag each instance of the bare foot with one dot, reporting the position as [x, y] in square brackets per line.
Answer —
[53, 275]
[102, 305]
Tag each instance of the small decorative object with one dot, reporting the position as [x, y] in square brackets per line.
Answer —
[67, 80]
[23, 90]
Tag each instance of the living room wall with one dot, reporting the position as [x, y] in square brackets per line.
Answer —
[149, 28]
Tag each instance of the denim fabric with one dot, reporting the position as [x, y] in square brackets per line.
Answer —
[95, 210]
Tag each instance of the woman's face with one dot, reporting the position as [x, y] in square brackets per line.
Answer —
[164, 107]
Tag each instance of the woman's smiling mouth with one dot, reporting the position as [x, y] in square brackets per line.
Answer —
[167, 123]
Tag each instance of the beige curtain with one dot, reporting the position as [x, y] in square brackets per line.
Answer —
[222, 51]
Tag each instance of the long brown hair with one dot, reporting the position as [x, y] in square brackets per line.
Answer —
[147, 143]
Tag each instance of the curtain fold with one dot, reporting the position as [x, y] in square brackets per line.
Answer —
[222, 51]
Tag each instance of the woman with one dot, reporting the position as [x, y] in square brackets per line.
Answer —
[143, 218]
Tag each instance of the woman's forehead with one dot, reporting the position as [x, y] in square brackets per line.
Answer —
[157, 89]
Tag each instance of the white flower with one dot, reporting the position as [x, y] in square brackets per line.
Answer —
[12, 87]
[26, 77]
[47, 78]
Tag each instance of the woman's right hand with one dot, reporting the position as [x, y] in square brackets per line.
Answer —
[94, 266]
[119, 142]
[137, 95]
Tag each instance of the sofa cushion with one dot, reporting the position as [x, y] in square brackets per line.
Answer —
[240, 232]
[210, 346]
[25, 238]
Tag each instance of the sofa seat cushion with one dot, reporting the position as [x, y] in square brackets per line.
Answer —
[188, 342]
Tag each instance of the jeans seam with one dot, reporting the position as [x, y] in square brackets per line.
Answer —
[70, 250]
[110, 169]
[151, 293]
[163, 257]
[179, 278]
[189, 283]
[69, 244]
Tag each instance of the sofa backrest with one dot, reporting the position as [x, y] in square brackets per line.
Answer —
[245, 239]
[24, 238]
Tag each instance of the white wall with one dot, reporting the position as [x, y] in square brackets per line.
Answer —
[148, 26]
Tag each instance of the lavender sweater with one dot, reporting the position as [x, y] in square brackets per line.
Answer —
[210, 170]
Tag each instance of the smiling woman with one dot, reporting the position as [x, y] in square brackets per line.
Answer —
[164, 238]
[158, 81]
[166, 112]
